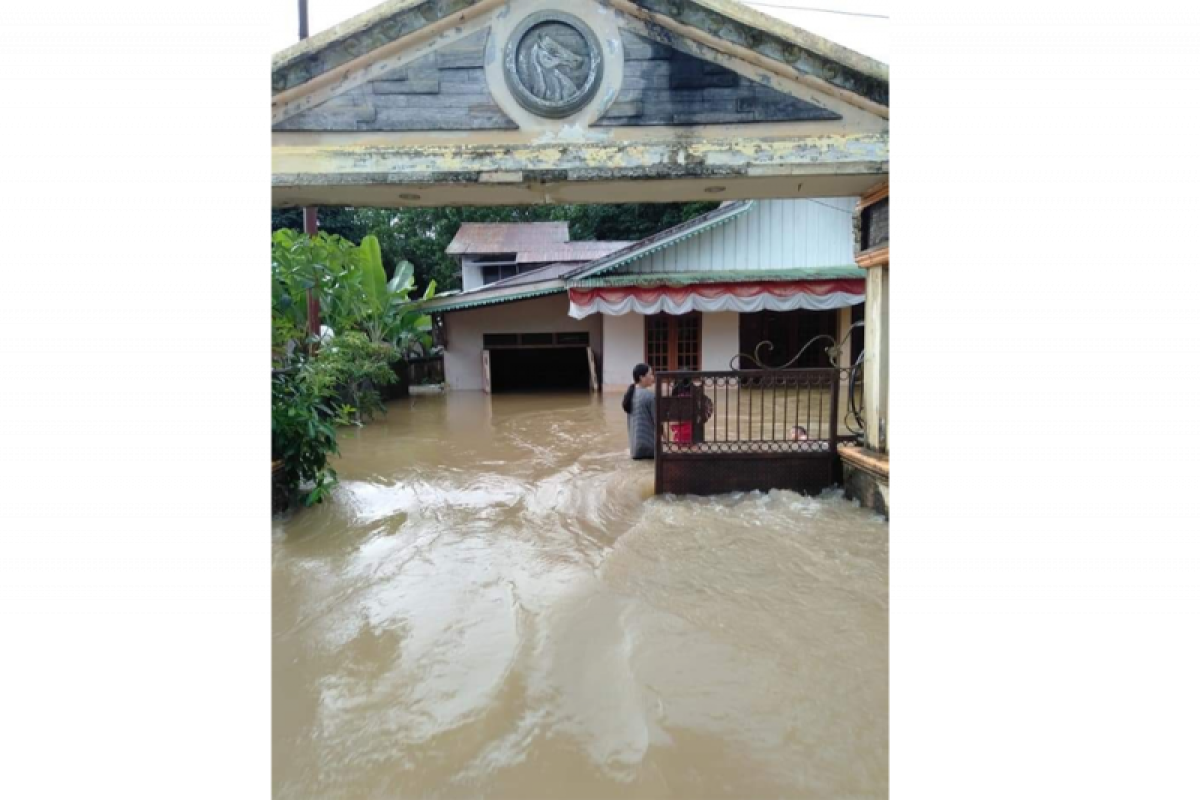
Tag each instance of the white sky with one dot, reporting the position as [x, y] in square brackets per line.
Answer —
[867, 35]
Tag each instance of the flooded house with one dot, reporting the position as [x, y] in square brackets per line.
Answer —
[540, 312]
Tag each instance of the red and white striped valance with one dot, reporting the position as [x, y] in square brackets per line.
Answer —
[741, 297]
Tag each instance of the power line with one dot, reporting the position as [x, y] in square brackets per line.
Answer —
[821, 10]
[831, 206]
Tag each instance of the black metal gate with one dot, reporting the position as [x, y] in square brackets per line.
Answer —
[719, 432]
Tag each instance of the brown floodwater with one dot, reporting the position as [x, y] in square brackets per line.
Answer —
[494, 605]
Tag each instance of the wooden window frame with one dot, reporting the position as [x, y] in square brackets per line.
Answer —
[673, 341]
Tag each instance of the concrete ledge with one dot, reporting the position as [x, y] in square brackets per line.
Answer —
[865, 478]
[427, 389]
[870, 461]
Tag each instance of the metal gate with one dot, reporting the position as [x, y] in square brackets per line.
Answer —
[742, 430]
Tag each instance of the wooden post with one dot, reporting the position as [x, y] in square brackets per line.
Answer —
[835, 382]
[314, 304]
[872, 253]
[310, 212]
[658, 430]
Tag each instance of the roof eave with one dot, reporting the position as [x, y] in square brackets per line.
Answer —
[837, 272]
[647, 247]
[469, 300]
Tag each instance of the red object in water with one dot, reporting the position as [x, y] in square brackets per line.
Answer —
[681, 432]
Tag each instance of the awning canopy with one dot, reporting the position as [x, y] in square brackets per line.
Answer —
[741, 297]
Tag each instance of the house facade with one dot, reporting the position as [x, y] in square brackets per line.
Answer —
[492, 252]
[689, 298]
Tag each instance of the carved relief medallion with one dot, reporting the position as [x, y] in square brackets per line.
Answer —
[553, 63]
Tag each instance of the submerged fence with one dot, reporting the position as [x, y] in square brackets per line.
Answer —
[764, 429]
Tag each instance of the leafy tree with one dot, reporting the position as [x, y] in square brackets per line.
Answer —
[420, 235]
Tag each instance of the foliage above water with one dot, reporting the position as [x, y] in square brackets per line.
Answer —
[322, 381]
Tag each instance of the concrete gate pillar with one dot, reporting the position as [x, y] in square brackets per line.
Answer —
[875, 362]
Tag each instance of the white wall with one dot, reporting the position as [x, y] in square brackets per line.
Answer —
[773, 234]
[465, 330]
[472, 274]
[624, 345]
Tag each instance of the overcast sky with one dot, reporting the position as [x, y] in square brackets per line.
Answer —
[867, 35]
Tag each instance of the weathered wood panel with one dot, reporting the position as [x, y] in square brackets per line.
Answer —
[665, 86]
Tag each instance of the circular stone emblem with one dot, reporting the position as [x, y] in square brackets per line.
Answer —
[553, 63]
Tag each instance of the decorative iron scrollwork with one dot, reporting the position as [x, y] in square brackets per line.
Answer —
[854, 419]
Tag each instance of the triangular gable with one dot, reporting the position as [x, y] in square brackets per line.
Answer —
[419, 64]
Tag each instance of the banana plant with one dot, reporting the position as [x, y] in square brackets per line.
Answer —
[390, 316]
[328, 266]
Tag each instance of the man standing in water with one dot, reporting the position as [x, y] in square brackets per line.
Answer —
[639, 405]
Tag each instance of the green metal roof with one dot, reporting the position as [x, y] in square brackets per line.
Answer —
[472, 300]
[463, 302]
[663, 239]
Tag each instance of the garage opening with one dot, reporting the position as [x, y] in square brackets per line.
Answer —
[540, 362]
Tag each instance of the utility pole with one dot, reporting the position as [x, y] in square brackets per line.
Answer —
[310, 212]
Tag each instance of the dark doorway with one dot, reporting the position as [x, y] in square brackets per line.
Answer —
[787, 331]
[540, 369]
[858, 336]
